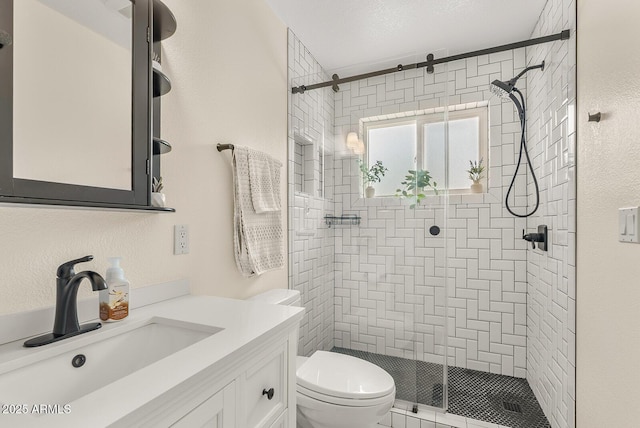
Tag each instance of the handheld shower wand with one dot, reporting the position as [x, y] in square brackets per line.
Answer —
[507, 90]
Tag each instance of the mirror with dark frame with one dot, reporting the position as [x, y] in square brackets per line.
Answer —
[75, 104]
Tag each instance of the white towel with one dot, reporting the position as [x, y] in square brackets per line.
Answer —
[264, 179]
[258, 237]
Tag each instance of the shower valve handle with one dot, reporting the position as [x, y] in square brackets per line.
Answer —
[528, 237]
[540, 237]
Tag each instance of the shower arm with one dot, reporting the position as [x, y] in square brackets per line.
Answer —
[522, 73]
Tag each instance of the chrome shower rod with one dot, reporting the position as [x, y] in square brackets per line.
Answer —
[431, 61]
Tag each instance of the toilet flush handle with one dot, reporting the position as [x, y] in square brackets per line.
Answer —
[269, 393]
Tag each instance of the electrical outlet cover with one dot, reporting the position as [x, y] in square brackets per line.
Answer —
[180, 239]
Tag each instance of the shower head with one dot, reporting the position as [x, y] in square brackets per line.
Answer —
[504, 89]
[501, 89]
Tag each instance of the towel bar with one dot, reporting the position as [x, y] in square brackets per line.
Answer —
[222, 147]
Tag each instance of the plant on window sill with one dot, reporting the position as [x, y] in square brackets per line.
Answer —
[372, 175]
[415, 184]
[475, 174]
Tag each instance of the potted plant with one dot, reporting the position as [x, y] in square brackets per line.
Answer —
[475, 174]
[414, 184]
[157, 197]
[372, 175]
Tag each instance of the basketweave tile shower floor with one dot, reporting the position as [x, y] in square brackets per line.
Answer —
[488, 397]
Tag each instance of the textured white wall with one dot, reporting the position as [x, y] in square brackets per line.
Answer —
[551, 278]
[228, 66]
[608, 291]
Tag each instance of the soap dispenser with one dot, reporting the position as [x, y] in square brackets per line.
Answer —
[114, 301]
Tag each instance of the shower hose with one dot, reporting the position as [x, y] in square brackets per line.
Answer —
[523, 148]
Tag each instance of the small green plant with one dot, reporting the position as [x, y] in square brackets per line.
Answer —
[475, 170]
[156, 185]
[414, 184]
[373, 174]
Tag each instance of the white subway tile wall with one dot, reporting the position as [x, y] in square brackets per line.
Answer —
[311, 267]
[390, 271]
[551, 276]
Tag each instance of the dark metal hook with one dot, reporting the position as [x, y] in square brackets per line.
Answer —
[595, 117]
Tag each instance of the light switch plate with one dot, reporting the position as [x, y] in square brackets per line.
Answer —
[628, 224]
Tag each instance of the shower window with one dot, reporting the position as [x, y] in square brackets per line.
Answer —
[394, 144]
[418, 142]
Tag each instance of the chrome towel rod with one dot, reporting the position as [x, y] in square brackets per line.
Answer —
[222, 147]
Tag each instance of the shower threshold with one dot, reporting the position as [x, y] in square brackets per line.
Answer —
[502, 400]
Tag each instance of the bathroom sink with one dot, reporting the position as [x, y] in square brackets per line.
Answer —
[112, 355]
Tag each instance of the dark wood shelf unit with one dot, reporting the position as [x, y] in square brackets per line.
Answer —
[161, 83]
[164, 23]
[88, 205]
[160, 147]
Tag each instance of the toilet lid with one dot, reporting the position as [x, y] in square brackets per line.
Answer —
[343, 376]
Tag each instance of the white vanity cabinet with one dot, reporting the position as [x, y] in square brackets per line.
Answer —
[216, 412]
[254, 390]
[264, 388]
[239, 373]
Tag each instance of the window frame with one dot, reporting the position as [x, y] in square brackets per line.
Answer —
[420, 119]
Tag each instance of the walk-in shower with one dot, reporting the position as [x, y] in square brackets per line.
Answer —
[432, 289]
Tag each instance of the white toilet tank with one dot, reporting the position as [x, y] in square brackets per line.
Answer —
[279, 296]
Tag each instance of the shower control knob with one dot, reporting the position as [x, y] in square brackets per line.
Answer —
[269, 393]
[540, 238]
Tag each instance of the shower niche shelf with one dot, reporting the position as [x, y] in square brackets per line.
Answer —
[342, 220]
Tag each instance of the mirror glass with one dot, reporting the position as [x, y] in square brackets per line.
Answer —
[72, 92]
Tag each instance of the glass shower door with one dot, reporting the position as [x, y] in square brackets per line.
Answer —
[380, 258]
[391, 270]
[430, 219]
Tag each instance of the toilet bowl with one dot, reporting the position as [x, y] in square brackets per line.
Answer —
[336, 390]
[339, 391]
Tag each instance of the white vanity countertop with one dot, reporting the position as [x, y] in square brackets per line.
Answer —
[243, 323]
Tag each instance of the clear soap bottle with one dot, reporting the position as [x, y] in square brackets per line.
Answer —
[114, 301]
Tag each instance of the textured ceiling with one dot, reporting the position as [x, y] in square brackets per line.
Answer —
[349, 36]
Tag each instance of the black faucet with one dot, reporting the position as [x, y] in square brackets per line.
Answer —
[66, 321]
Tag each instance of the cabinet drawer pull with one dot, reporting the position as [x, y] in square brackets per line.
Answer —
[269, 393]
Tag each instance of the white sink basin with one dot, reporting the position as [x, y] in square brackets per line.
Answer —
[110, 356]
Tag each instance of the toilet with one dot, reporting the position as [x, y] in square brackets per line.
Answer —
[336, 390]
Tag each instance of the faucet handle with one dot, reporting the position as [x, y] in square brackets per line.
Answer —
[66, 270]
